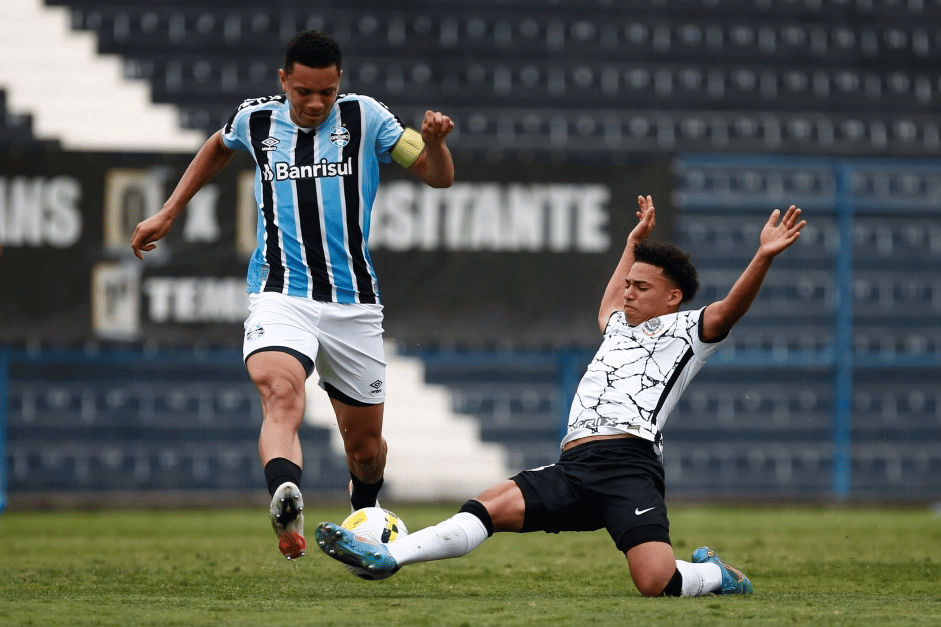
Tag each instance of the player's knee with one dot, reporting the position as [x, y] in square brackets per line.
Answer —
[280, 397]
[652, 580]
[650, 585]
[364, 449]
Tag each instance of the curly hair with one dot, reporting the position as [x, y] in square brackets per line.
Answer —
[674, 262]
[313, 49]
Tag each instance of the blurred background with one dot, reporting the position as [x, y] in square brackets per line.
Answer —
[121, 381]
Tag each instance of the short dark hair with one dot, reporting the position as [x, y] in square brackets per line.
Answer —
[312, 48]
[674, 262]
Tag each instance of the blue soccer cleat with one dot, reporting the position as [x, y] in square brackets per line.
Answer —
[364, 559]
[734, 581]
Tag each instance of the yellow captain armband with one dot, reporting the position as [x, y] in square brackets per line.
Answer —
[407, 149]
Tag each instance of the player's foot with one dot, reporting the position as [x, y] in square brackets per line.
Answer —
[287, 519]
[353, 508]
[734, 581]
[343, 545]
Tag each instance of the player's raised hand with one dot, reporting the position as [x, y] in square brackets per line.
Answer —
[435, 127]
[648, 219]
[779, 233]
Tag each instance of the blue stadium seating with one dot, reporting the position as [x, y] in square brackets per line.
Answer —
[164, 425]
[585, 80]
[517, 401]
[812, 78]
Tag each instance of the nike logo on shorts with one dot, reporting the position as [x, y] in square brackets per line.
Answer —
[638, 511]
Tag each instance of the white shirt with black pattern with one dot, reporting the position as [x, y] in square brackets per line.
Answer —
[638, 375]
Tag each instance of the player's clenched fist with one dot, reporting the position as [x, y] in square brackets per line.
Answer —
[435, 127]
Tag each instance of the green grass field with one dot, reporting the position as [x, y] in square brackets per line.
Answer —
[810, 566]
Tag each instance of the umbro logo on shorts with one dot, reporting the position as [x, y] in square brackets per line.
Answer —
[376, 386]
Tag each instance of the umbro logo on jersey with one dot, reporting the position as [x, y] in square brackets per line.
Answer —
[270, 144]
[638, 511]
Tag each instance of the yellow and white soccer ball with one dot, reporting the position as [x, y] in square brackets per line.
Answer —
[375, 525]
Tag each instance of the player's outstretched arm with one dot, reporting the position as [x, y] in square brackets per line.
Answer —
[209, 161]
[434, 165]
[777, 234]
[613, 299]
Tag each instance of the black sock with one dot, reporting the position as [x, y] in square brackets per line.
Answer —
[477, 509]
[280, 470]
[364, 494]
[675, 587]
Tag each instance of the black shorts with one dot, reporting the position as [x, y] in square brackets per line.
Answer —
[615, 483]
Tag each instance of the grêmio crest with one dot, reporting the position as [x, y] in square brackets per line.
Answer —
[340, 137]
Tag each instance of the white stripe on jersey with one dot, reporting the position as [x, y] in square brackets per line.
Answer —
[360, 214]
[276, 220]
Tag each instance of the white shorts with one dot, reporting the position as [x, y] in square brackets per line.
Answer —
[343, 340]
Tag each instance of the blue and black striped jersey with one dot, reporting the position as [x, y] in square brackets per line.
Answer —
[314, 189]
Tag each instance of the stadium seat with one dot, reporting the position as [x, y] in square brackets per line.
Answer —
[801, 79]
[105, 426]
[726, 469]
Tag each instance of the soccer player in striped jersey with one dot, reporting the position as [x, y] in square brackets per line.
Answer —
[610, 473]
[314, 298]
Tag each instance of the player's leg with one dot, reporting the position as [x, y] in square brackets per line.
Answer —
[656, 572]
[541, 499]
[533, 500]
[652, 567]
[277, 352]
[361, 429]
[280, 378]
[627, 478]
[500, 508]
[505, 505]
[352, 368]
[643, 535]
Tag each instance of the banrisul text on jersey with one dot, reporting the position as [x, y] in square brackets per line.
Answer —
[286, 171]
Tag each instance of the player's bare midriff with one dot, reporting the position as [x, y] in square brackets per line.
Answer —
[594, 438]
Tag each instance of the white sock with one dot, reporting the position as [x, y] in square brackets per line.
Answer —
[454, 537]
[699, 579]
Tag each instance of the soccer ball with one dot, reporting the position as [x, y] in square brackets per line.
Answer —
[375, 525]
